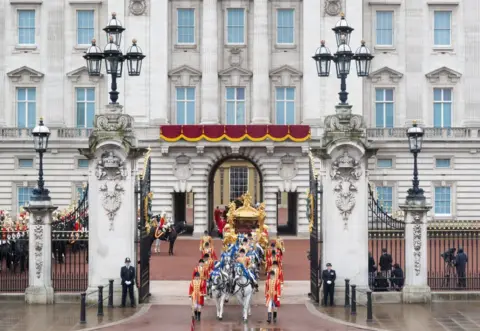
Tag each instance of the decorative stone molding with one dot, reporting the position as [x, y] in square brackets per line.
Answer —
[82, 72]
[270, 150]
[138, 7]
[200, 150]
[111, 169]
[25, 74]
[164, 150]
[345, 170]
[417, 242]
[38, 236]
[333, 7]
[235, 149]
[385, 74]
[182, 168]
[448, 74]
[185, 76]
[287, 168]
[286, 76]
[344, 120]
[305, 150]
[235, 76]
[235, 58]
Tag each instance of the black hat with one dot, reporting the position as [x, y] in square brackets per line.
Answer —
[197, 274]
[329, 264]
[127, 260]
[206, 256]
[272, 273]
[242, 251]
[245, 240]
[275, 262]
[200, 261]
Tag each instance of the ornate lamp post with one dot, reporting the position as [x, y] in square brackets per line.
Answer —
[343, 58]
[40, 138]
[415, 140]
[114, 57]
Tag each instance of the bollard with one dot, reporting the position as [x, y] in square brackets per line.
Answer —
[100, 301]
[353, 310]
[347, 293]
[369, 306]
[83, 317]
[110, 293]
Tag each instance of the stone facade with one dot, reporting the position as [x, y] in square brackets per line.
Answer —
[412, 67]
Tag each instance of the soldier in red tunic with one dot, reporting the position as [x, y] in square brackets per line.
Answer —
[273, 257]
[201, 269]
[278, 272]
[196, 293]
[273, 291]
[207, 249]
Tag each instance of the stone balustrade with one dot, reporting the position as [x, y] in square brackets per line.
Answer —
[375, 134]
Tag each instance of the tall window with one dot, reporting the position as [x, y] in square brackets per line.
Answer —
[442, 107]
[235, 98]
[385, 198]
[285, 26]
[443, 200]
[85, 107]
[185, 26]
[442, 29]
[26, 107]
[385, 28]
[235, 26]
[23, 196]
[185, 105]
[78, 193]
[26, 27]
[85, 27]
[285, 105]
[384, 108]
[238, 182]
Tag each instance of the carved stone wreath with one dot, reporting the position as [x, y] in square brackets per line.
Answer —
[417, 243]
[111, 169]
[333, 7]
[138, 7]
[345, 171]
[182, 168]
[38, 235]
[123, 122]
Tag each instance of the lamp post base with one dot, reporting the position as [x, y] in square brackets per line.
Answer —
[416, 195]
[40, 195]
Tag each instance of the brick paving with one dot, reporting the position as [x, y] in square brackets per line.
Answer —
[180, 266]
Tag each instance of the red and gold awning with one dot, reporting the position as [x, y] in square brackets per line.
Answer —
[235, 133]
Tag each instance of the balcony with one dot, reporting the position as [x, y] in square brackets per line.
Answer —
[431, 134]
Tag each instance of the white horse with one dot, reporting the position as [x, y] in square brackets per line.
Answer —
[243, 291]
[219, 284]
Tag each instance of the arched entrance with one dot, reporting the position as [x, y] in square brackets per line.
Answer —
[229, 178]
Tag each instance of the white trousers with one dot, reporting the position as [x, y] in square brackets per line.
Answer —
[271, 306]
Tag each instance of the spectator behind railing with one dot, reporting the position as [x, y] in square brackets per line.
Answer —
[397, 279]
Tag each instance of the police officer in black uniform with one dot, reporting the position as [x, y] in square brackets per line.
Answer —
[328, 278]
[127, 274]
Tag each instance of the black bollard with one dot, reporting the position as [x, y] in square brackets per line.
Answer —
[347, 293]
[369, 306]
[83, 308]
[100, 301]
[353, 310]
[110, 293]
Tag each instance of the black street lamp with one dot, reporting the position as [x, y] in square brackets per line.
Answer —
[343, 57]
[114, 57]
[415, 140]
[40, 138]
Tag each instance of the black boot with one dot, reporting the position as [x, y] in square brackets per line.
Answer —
[274, 317]
[199, 314]
[269, 319]
[196, 316]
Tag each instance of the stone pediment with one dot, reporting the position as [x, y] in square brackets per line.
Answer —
[285, 69]
[25, 74]
[444, 73]
[235, 71]
[82, 72]
[285, 76]
[385, 73]
[235, 76]
[185, 75]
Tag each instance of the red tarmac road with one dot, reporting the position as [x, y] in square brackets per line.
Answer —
[181, 265]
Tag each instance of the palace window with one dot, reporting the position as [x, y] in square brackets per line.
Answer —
[384, 163]
[442, 163]
[26, 107]
[25, 163]
[185, 97]
[442, 30]
[85, 107]
[285, 105]
[443, 200]
[82, 164]
[85, 27]
[442, 107]
[235, 99]
[238, 182]
[384, 107]
[26, 27]
[185, 26]
[384, 29]
[235, 26]
[285, 26]
[23, 196]
[385, 198]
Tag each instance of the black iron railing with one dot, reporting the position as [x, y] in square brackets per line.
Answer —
[14, 248]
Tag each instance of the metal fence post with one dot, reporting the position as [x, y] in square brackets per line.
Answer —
[353, 310]
[100, 301]
[110, 293]
[83, 317]
[347, 293]
[369, 306]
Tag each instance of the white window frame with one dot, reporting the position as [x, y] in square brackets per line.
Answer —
[230, 179]
[435, 200]
[71, 25]
[185, 101]
[393, 28]
[25, 157]
[379, 201]
[76, 26]
[37, 113]
[34, 27]
[285, 102]
[94, 102]
[440, 158]
[381, 159]
[384, 102]
[194, 26]
[442, 88]
[75, 187]
[451, 28]
[244, 27]
[291, 44]
[236, 101]
[77, 163]
[16, 6]
[16, 186]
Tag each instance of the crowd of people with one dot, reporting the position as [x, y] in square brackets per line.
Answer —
[389, 277]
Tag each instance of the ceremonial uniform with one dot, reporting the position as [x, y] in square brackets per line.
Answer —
[197, 292]
[210, 252]
[205, 239]
[203, 271]
[278, 274]
[209, 264]
[270, 263]
[273, 291]
[245, 260]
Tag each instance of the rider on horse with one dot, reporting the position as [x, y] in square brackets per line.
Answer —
[245, 261]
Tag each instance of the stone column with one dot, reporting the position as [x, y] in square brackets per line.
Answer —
[345, 153]
[113, 156]
[210, 110]
[416, 289]
[40, 289]
[261, 64]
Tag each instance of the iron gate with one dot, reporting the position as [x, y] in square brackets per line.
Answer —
[143, 237]
[314, 195]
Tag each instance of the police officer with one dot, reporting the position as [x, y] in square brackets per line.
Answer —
[328, 277]
[127, 274]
